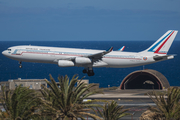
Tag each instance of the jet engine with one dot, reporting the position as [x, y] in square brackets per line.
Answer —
[65, 63]
[82, 60]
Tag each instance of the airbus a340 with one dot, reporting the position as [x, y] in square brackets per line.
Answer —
[68, 57]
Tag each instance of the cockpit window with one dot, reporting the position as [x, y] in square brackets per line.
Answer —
[9, 49]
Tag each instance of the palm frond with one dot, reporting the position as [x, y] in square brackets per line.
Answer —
[67, 99]
[167, 104]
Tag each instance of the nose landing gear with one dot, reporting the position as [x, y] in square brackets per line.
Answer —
[20, 64]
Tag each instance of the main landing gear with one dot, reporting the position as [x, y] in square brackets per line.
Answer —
[89, 71]
[20, 64]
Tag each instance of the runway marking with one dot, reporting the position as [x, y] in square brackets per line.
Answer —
[144, 104]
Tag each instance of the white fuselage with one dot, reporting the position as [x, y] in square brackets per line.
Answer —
[114, 59]
[87, 58]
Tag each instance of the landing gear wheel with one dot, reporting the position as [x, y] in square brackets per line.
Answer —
[90, 73]
[20, 66]
[84, 71]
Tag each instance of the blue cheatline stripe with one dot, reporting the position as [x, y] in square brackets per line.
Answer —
[151, 49]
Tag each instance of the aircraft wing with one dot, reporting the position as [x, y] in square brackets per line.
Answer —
[92, 56]
[100, 55]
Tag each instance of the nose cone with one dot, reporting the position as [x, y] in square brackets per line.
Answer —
[3, 52]
[7, 53]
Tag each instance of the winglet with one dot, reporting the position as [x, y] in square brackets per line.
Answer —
[110, 49]
[121, 49]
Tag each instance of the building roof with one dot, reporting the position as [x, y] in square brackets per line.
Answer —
[138, 79]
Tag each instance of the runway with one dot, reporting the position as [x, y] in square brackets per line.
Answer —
[137, 101]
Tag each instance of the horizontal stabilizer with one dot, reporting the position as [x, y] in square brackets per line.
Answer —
[165, 57]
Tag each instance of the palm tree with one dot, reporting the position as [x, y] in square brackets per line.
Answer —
[167, 105]
[3, 115]
[20, 104]
[149, 115]
[111, 111]
[66, 101]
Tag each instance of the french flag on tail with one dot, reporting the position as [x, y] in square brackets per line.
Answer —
[162, 45]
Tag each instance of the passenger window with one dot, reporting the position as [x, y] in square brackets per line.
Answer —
[9, 49]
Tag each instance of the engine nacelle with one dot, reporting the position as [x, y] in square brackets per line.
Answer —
[65, 63]
[82, 60]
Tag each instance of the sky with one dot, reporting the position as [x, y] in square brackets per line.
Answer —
[87, 20]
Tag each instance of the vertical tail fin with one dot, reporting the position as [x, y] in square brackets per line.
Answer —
[162, 45]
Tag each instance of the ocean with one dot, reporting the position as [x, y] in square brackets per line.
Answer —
[9, 69]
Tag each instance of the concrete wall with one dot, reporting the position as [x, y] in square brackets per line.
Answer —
[31, 83]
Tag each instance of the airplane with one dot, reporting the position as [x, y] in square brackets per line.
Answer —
[87, 58]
